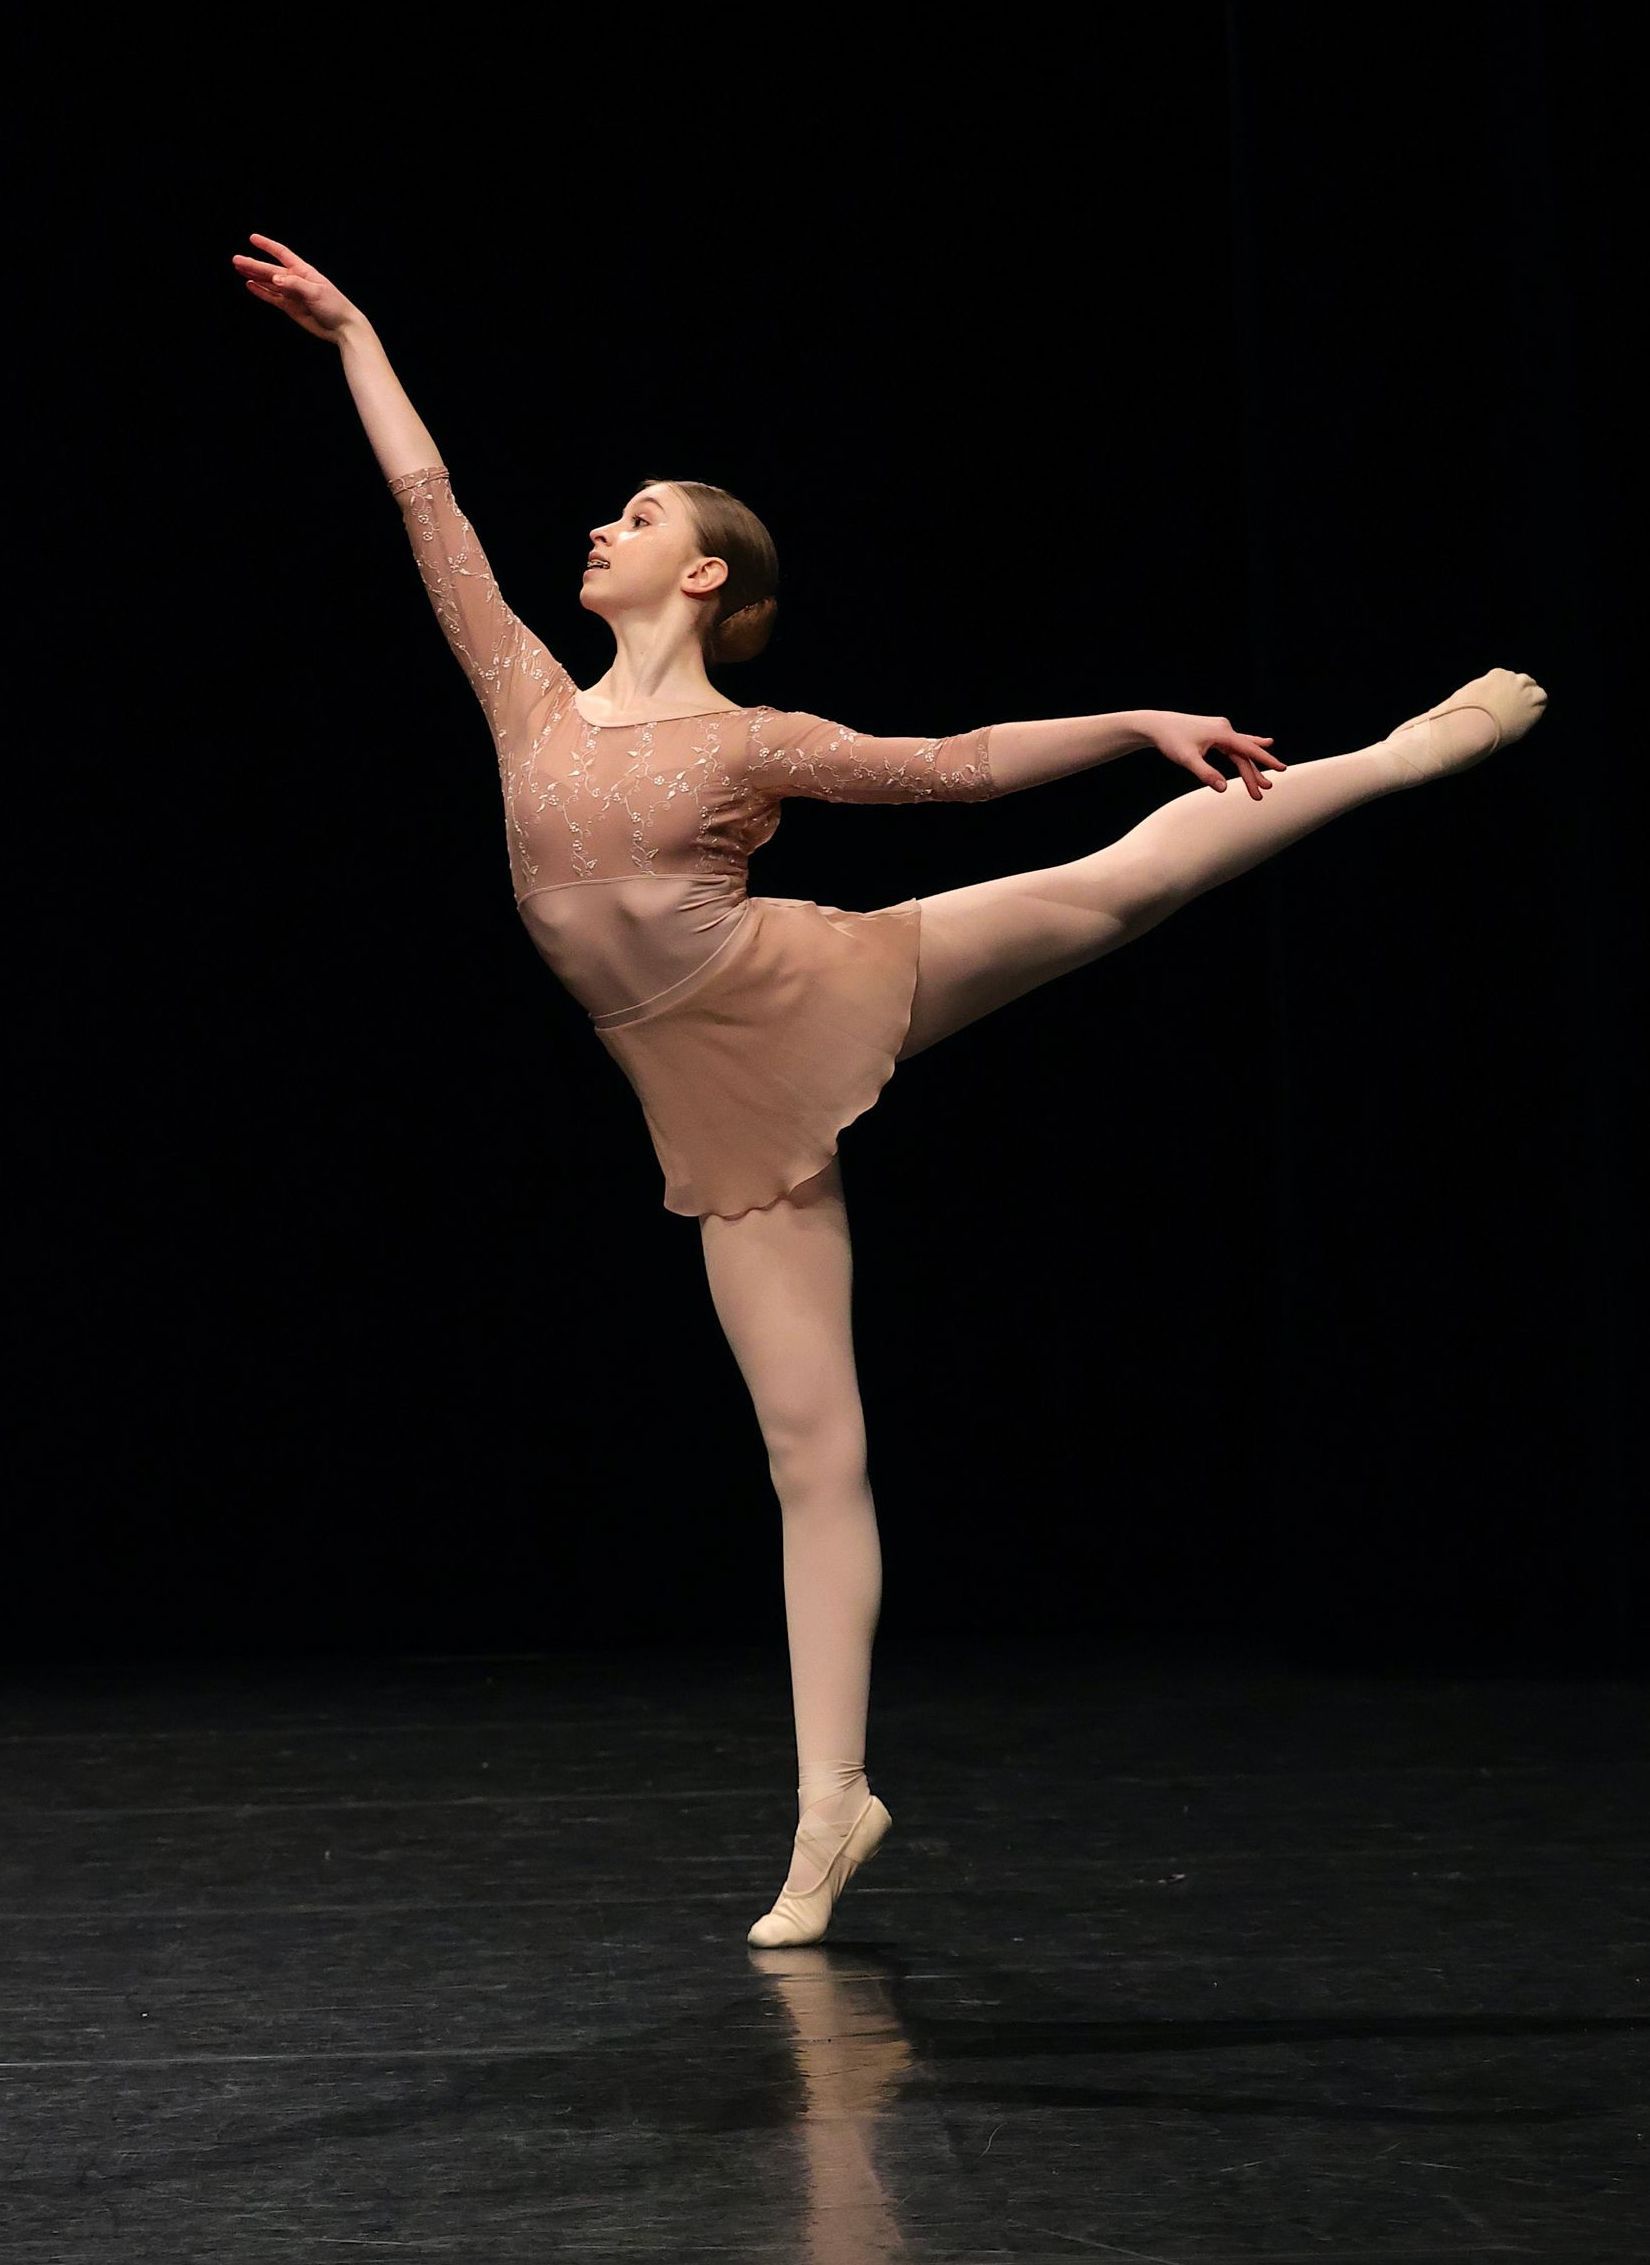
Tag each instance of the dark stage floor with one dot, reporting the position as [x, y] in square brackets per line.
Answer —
[1168, 1960]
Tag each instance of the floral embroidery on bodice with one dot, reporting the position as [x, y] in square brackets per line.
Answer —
[680, 802]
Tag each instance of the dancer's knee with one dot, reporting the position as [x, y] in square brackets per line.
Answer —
[1136, 884]
[817, 1459]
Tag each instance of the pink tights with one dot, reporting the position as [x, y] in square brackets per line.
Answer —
[780, 1280]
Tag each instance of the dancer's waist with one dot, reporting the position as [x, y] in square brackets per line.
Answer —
[624, 943]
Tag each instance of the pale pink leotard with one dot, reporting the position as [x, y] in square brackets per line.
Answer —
[752, 1028]
[629, 843]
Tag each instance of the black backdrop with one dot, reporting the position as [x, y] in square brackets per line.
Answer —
[1267, 1281]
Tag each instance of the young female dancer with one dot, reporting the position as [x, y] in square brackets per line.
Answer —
[754, 1029]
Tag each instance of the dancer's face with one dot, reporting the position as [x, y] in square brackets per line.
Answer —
[650, 551]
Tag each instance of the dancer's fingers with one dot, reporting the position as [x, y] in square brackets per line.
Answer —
[1250, 760]
[1245, 754]
[1258, 746]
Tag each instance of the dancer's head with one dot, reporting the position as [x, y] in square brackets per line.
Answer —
[682, 549]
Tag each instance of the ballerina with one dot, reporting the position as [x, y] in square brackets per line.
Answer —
[755, 1029]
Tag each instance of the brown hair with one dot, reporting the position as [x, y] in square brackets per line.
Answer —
[748, 600]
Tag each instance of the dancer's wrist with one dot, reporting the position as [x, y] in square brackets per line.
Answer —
[354, 330]
[1031, 752]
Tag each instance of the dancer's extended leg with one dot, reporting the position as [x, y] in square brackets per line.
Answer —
[987, 944]
[781, 1280]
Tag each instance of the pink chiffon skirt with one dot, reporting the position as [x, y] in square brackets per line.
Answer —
[749, 1068]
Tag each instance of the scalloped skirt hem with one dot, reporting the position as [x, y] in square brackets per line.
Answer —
[749, 1070]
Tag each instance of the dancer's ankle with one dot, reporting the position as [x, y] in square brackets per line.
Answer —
[1433, 746]
[834, 1795]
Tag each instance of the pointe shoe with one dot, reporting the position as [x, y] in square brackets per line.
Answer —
[804, 1918]
[1513, 702]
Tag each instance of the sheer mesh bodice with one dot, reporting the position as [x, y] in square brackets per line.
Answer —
[629, 843]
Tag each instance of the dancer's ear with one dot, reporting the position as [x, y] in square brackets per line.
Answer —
[705, 576]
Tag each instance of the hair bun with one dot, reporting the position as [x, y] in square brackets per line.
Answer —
[741, 635]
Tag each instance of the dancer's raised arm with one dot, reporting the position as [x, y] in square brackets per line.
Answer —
[509, 670]
[400, 439]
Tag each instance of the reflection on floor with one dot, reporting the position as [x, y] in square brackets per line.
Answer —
[1171, 1960]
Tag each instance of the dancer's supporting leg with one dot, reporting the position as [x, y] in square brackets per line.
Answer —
[781, 1281]
[985, 945]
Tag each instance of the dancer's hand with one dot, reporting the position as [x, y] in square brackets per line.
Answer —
[298, 289]
[1187, 740]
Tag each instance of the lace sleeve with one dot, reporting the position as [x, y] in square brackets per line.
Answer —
[509, 670]
[798, 753]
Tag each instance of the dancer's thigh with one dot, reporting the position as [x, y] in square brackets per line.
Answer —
[781, 1280]
[994, 941]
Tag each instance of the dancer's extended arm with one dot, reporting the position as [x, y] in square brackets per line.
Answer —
[795, 752]
[1030, 754]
